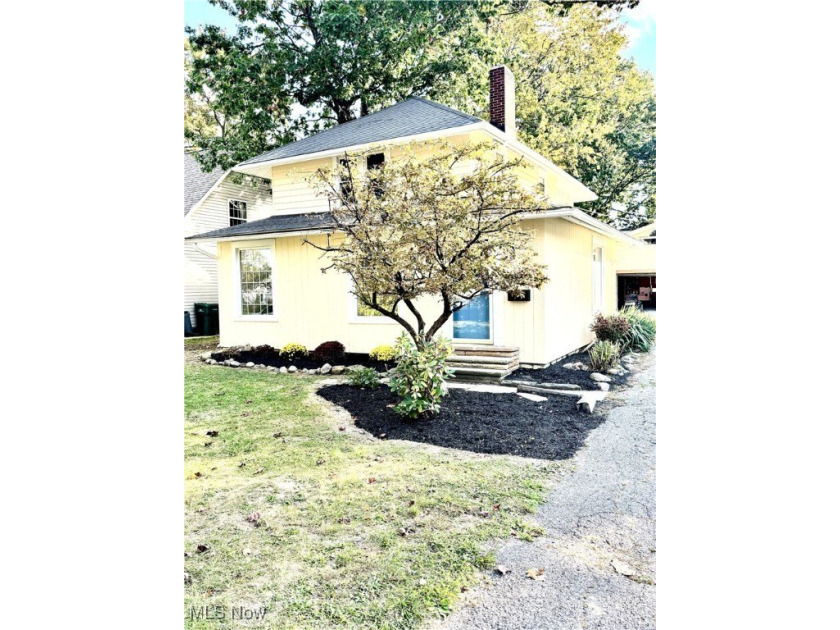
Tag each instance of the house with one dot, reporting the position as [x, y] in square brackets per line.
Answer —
[272, 290]
[211, 201]
[636, 268]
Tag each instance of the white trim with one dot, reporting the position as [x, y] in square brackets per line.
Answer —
[600, 280]
[237, 284]
[245, 220]
[208, 193]
[579, 217]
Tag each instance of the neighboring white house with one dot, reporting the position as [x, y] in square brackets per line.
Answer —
[213, 201]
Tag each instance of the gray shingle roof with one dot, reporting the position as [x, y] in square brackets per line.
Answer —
[196, 181]
[412, 116]
[271, 225]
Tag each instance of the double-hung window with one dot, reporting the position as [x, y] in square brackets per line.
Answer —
[238, 211]
[256, 290]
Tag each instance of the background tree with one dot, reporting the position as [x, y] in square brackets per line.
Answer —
[417, 228]
[578, 101]
[335, 60]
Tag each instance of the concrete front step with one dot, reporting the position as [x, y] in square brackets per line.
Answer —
[471, 359]
[472, 348]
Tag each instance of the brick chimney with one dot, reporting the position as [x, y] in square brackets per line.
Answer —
[502, 101]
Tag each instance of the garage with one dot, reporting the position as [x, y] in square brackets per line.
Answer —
[637, 288]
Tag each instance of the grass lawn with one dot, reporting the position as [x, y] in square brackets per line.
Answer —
[352, 531]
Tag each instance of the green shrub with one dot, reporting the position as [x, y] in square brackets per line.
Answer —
[383, 353]
[328, 352]
[642, 330]
[364, 377]
[611, 327]
[294, 351]
[631, 329]
[420, 375]
[604, 355]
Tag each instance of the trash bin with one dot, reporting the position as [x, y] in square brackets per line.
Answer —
[188, 329]
[206, 318]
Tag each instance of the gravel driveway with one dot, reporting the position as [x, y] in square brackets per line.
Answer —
[599, 523]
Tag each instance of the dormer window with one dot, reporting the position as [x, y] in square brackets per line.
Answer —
[238, 212]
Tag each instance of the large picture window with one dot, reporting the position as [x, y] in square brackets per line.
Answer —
[255, 281]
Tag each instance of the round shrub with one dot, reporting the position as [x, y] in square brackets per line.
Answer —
[383, 353]
[293, 351]
[328, 352]
[364, 377]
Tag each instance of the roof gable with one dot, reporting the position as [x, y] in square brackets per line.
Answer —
[196, 182]
[410, 117]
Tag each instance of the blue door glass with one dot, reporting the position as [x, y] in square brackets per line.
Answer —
[473, 320]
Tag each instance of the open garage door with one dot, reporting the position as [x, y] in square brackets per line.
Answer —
[636, 288]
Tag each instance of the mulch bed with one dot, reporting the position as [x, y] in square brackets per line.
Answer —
[556, 373]
[272, 357]
[475, 421]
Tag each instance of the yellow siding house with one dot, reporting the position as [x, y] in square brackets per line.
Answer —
[310, 307]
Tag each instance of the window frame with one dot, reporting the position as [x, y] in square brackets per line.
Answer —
[230, 215]
[237, 281]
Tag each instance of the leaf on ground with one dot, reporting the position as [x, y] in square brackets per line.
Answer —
[277, 435]
[483, 513]
[342, 428]
[497, 506]
[241, 465]
[197, 475]
[202, 548]
[248, 402]
[463, 589]
[246, 414]
[254, 517]
[206, 444]
[371, 479]
[212, 433]
[536, 574]
[259, 470]
[320, 462]
[502, 570]
[410, 503]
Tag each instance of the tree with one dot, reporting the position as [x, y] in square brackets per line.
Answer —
[329, 58]
[578, 101]
[416, 227]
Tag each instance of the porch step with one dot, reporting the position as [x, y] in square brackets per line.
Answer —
[483, 362]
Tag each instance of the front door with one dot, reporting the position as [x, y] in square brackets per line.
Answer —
[472, 322]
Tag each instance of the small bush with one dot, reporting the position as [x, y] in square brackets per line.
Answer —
[364, 377]
[604, 355]
[611, 327]
[420, 375]
[328, 352]
[383, 353]
[294, 351]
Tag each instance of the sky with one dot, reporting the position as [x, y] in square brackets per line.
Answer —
[640, 27]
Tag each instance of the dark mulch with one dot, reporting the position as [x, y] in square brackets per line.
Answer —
[504, 424]
[270, 356]
[556, 373]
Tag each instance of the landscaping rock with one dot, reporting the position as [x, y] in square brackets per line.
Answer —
[249, 364]
[206, 355]
[533, 397]
[283, 370]
[604, 387]
[600, 378]
[616, 371]
[325, 369]
[208, 361]
[292, 369]
[213, 362]
[623, 568]
[337, 369]
[234, 363]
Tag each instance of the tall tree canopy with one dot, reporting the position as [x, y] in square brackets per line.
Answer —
[296, 66]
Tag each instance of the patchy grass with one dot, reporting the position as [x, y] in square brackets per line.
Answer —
[201, 343]
[352, 531]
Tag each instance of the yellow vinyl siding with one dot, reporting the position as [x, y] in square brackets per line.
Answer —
[639, 258]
